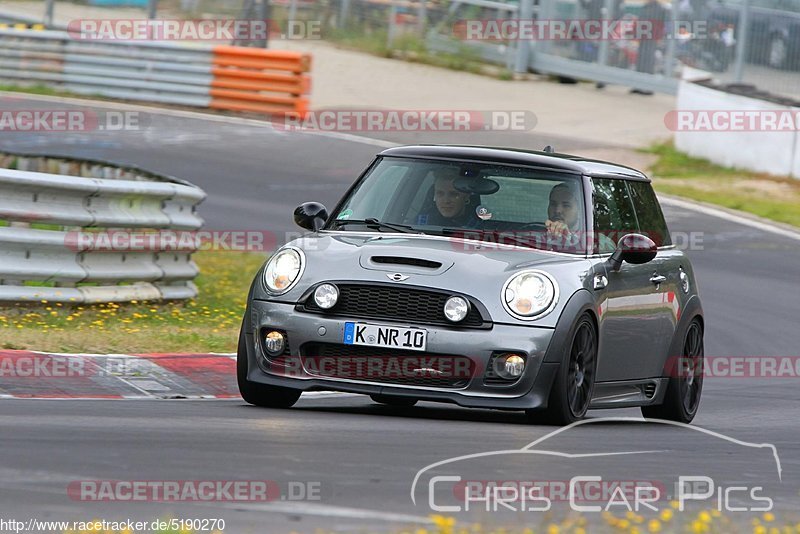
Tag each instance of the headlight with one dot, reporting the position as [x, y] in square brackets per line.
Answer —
[530, 294]
[283, 270]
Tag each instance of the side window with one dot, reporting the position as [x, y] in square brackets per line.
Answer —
[613, 213]
[649, 214]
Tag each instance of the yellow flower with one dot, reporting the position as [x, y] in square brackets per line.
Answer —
[675, 505]
[666, 515]
[704, 516]
[654, 525]
[553, 529]
[760, 530]
[769, 517]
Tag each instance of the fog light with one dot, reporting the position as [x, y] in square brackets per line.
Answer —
[456, 309]
[326, 296]
[274, 343]
[509, 366]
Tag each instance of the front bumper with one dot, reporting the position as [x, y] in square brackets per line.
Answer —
[530, 391]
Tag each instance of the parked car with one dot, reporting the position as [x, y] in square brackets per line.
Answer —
[484, 277]
[773, 36]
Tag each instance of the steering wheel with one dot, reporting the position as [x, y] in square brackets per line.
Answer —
[532, 226]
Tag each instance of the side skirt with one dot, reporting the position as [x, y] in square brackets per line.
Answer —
[628, 393]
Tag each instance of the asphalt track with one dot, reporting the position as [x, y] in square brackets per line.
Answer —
[364, 457]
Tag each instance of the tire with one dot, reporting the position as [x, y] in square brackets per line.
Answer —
[260, 394]
[574, 384]
[685, 386]
[389, 400]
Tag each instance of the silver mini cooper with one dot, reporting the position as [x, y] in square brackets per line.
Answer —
[484, 277]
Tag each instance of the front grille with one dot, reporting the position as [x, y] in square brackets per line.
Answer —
[406, 304]
[394, 367]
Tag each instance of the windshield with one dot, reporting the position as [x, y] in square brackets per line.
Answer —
[496, 203]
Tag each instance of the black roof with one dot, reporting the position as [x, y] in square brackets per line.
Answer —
[513, 156]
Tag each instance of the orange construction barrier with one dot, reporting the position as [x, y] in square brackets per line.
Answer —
[258, 80]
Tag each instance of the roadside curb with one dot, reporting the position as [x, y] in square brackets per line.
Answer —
[740, 217]
[29, 374]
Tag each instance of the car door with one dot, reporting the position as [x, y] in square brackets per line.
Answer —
[668, 264]
[632, 308]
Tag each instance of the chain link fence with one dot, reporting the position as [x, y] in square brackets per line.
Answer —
[754, 42]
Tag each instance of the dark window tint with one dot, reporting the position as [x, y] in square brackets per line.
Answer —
[613, 213]
[649, 214]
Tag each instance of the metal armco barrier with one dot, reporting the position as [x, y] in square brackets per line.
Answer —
[218, 77]
[46, 219]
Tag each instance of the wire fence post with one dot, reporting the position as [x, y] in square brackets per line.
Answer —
[741, 41]
[152, 9]
[422, 17]
[344, 12]
[48, 13]
[292, 11]
[523, 46]
[391, 34]
[671, 35]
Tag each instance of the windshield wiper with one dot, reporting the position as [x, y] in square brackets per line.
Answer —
[372, 222]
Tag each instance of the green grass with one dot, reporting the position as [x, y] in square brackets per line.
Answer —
[37, 89]
[209, 323]
[771, 197]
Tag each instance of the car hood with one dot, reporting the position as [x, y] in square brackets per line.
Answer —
[463, 266]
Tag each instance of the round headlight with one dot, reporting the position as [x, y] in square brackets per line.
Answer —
[456, 309]
[283, 270]
[530, 294]
[326, 296]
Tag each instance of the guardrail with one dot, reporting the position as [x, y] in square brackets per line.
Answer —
[218, 77]
[45, 218]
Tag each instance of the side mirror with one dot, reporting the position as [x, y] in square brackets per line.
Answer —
[310, 215]
[633, 248]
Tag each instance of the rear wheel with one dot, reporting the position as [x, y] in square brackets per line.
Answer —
[572, 392]
[686, 381]
[260, 394]
[390, 400]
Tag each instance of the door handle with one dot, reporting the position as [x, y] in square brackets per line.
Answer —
[658, 279]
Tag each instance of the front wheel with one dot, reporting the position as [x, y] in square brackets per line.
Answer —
[572, 392]
[260, 394]
[685, 383]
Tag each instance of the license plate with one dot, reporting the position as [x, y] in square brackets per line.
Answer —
[393, 337]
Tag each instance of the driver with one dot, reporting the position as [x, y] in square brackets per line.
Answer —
[563, 215]
[453, 208]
